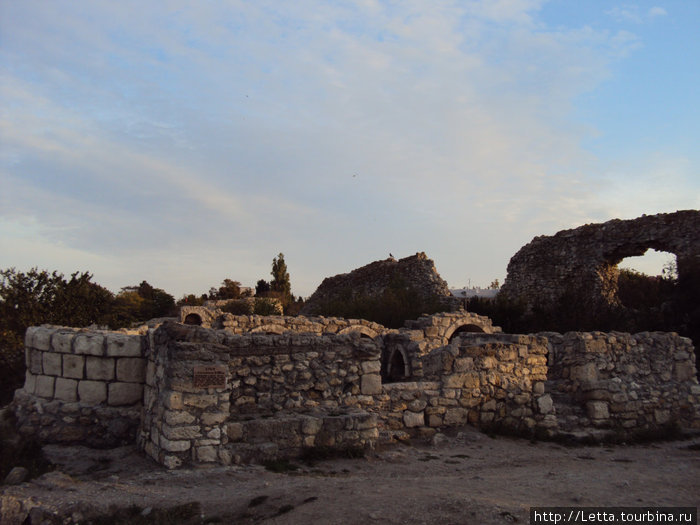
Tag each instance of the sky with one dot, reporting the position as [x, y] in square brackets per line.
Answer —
[183, 143]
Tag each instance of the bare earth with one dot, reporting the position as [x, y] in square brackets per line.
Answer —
[467, 478]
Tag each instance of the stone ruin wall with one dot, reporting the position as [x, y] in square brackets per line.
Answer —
[624, 381]
[81, 386]
[286, 392]
[584, 260]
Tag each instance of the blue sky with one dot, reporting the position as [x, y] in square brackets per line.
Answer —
[184, 143]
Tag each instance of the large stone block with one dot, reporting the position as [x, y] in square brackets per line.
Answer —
[73, 366]
[413, 419]
[455, 416]
[35, 364]
[131, 370]
[371, 384]
[188, 432]
[99, 368]
[29, 382]
[62, 342]
[174, 446]
[92, 392]
[122, 345]
[683, 370]
[584, 373]
[597, 410]
[89, 344]
[124, 394]
[545, 404]
[52, 363]
[66, 389]
[45, 386]
[41, 338]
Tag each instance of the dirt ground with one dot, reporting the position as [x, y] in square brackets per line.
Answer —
[468, 477]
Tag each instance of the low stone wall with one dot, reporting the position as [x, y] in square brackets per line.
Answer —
[81, 386]
[261, 376]
[643, 381]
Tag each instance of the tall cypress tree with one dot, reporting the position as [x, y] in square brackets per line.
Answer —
[280, 279]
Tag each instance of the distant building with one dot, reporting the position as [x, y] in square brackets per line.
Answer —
[477, 291]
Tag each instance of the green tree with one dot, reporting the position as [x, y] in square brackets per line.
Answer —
[262, 287]
[280, 278]
[229, 289]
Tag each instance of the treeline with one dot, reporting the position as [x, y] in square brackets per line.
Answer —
[40, 297]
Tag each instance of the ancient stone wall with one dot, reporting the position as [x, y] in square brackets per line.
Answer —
[299, 381]
[81, 386]
[622, 381]
[583, 262]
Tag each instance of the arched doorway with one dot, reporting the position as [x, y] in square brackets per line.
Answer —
[397, 367]
[193, 319]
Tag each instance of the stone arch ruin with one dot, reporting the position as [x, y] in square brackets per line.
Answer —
[193, 319]
[583, 261]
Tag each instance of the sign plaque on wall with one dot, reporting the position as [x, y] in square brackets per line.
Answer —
[210, 376]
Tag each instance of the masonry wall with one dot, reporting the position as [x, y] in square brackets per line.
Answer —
[81, 386]
[624, 381]
[281, 393]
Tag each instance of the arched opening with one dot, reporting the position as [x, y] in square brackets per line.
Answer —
[467, 328]
[647, 281]
[396, 368]
[193, 319]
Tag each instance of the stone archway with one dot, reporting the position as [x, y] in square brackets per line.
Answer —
[582, 262]
[465, 328]
[193, 319]
[359, 329]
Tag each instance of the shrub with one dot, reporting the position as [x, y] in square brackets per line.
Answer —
[265, 306]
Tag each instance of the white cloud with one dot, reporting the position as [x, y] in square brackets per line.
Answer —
[656, 11]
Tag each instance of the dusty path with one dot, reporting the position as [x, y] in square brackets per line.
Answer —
[469, 478]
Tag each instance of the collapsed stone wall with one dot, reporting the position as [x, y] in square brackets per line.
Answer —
[81, 386]
[622, 381]
[371, 280]
[583, 261]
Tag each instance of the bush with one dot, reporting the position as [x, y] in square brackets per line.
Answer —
[265, 306]
[238, 308]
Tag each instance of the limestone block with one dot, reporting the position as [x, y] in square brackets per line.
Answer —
[597, 410]
[417, 405]
[214, 418]
[92, 392]
[206, 454]
[89, 344]
[66, 389]
[178, 417]
[545, 404]
[35, 364]
[122, 345]
[201, 400]
[131, 370]
[234, 431]
[73, 366]
[662, 416]
[62, 342]
[174, 446]
[52, 364]
[371, 384]
[45, 386]
[125, 393]
[371, 367]
[176, 433]
[99, 368]
[311, 425]
[434, 420]
[171, 462]
[455, 416]
[173, 400]
[584, 373]
[150, 373]
[463, 364]
[29, 382]
[683, 371]
[41, 338]
[413, 419]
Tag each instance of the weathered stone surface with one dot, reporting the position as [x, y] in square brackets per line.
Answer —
[62, 342]
[99, 368]
[545, 404]
[122, 345]
[52, 364]
[124, 393]
[89, 344]
[131, 370]
[92, 392]
[45, 386]
[373, 279]
[597, 410]
[371, 384]
[413, 419]
[66, 389]
[73, 366]
[16, 476]
[584, 260]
